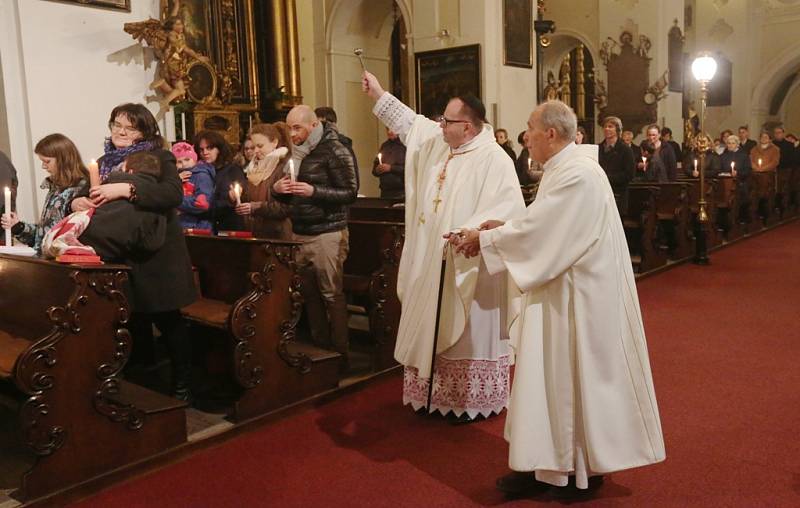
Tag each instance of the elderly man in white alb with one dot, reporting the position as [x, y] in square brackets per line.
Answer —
[582, 402]
[457, 176]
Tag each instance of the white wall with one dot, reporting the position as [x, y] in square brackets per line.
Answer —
[64, 68]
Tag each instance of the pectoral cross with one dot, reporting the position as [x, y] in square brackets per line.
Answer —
[422, 218]
[436, 204]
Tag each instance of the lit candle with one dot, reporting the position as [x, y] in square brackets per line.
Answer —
[530, 163]
[759, 163]
[292, 174]
[695, 164]
[380, 159]
[94, 174]
[183, 126]
[733, 167]
[7, 193]
[237, 190]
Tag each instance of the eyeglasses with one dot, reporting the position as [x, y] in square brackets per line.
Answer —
[122, 129]
[444, 122]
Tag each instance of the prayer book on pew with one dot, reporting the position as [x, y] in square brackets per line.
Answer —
[236, 234]
[197, 231]
[79, 259]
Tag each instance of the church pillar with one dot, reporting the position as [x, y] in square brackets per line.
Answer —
[285, 64]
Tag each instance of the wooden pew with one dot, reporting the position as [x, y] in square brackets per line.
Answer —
[63, 343]
[672, 212]
[377, 209]
[727, 204]
[763, 187]
[640, 223]
[782, 191]
[370, 282]
[713, 238]
[251, 298]
[793, 199]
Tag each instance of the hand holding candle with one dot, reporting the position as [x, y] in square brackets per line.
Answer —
[292, 173]
[237, 190]
[530, 164]
[94, 174]
[759, 163]
[380, 159]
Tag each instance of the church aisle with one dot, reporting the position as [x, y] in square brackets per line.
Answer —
[724, 346]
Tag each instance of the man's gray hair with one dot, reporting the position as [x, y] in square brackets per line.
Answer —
[554, 114]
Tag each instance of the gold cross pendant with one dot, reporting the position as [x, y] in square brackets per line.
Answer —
[422, 218]
[436, 204]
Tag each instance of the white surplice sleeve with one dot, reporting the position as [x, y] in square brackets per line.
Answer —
[394, 114]
[558, 229]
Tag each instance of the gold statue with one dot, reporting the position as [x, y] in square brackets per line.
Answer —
[169, 44]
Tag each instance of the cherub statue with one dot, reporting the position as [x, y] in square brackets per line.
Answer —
[169, 44]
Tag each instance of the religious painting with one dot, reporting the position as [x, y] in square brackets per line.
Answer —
[675, 58]
[518, 33]
[119, 5]
[446, 73]
[195, 15]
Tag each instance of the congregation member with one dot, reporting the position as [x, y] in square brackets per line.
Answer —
[390, 168]
[198, 187]
[215, 150]
[245, 155]
[460, 178]
[654, 169]
[501, 136]
[666, 137]
[627, 138]
[662, 151]
[765, 156]
[318, 202]
[8, 178]
[735, 162]
[526, 173]
[787, 149]
[746, 143]
[616, 159]
[580, 136]
[710, 162]
[583, 403]
[327, 114]
[721, 142]
[264, 215]
[161, 283]
[66, 178]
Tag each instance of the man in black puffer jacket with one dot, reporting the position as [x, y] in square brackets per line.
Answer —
[325, 185]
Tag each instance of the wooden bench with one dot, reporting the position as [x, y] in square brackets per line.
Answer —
[713, 238]
[762, 186]
[63, 343]
[726, 201]
[672, 213]
[251, 298]
[370, 282]
[640, 223]
[377, 209]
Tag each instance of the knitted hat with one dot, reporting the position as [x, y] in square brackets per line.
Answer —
[183, 149]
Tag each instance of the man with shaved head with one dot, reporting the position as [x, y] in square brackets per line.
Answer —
[325, 184]
[583, 402]
[456, 176]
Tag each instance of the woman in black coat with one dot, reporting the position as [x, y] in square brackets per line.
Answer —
[161, 282]
[212, 148]
[736, 161]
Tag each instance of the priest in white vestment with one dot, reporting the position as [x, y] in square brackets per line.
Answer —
[456, 176]
[582, 401]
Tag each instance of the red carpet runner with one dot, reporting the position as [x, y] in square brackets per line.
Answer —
[724, 344]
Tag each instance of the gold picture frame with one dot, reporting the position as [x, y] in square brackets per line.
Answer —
[518, 33]
[117, 5]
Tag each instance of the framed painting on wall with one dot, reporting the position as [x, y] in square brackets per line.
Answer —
[119, 5]
[446, 73]
[518, 33]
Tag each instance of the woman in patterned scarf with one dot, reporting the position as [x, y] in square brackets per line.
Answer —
[66, 176]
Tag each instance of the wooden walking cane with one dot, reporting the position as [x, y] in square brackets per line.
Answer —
[436, 326]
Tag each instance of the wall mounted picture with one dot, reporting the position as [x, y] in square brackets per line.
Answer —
[446, 73]
[518, 33]
[120, 5]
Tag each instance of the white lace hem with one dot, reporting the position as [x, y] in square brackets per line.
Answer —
[394, 114]
[475, 387]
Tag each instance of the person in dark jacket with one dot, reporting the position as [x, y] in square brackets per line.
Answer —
[160, 283]
[736, 162]
[616, 159]
[627, 138]
[501, 136]
[327, 114]
[325, 185]
[663, 151]
[788, 156]
[213, 149]
[666, 137]
[524, 163]
[654, 169]
[390, 168]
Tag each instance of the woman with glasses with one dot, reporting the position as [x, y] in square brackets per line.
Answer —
[161, 283]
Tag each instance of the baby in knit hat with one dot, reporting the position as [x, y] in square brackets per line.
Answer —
[198, 188]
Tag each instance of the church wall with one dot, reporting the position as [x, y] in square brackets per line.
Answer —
[5, 143]
[65, 68]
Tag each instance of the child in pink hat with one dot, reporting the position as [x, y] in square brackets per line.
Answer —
[198, 187]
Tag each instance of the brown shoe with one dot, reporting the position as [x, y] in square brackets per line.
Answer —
[518, 483]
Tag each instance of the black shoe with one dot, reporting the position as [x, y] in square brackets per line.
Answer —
[518, 483]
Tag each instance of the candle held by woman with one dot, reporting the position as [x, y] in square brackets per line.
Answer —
[94, 174]
[292, 174]
[237, 190]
